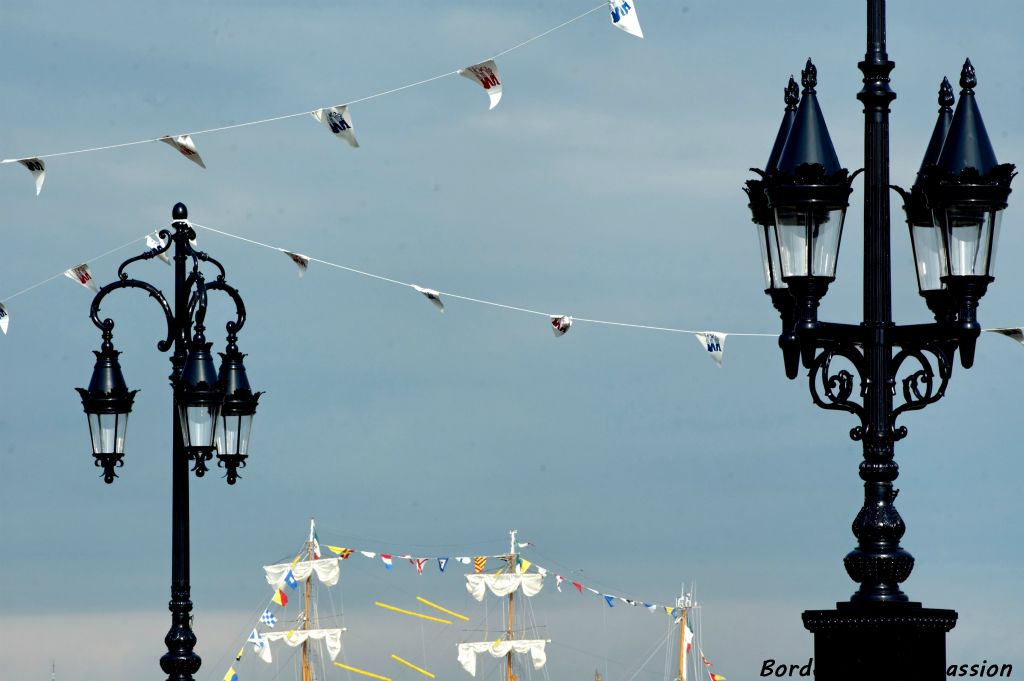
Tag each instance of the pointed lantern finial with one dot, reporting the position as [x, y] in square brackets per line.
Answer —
[968, 78]
[809, 76]
[946, 95]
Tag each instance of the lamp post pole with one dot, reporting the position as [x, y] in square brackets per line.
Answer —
[212, 411]
[953, 211]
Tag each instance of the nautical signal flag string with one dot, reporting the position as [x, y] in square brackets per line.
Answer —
[338, 119]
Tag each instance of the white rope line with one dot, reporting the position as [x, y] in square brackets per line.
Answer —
[480, 301]
[60, 274]
[302, 113]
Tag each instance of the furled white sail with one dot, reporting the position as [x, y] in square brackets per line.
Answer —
[327, 570]
[469, 651]
[330, 637]
[504, 584]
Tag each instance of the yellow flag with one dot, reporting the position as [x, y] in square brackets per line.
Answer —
[239, 655]
[524, 565]
[231, 675]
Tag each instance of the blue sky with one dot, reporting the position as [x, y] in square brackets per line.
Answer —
[606, 185]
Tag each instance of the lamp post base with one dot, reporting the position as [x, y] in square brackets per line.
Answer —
[900, 641]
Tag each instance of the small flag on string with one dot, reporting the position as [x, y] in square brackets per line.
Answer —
[688, 637]
[38, 170]
[716, 677]
[386, 557]
[706, 661]
[240, 652]
[558, 582]
[290, 580]
[5, 318]
[268, 618]
[486, 74]
[624, 17]
[83, 275]
[610, 600]
[714, 343]
[232, 675]
[301, 261]
[442, 563]
[255, 638]
[280, 597]
[479, 563]
[465, 560]
[1016, 334]
[543, 572]
[579, 587]
[369, 554]
[419, 563]
[154, 242]
[338, 121]
[432, 295]
[651, 607]
[342, 552]
[522, 565]
[406, 556]
[185, 146]
[560, 325]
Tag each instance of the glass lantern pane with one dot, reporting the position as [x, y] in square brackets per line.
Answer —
[995, 219]
[199, 425]
[770, 257]
[929, 256]
[793, 238]
[809, 240]
[107, 432]
[968, 235]
[244, 431]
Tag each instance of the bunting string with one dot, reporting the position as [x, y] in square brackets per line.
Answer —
[304, 113]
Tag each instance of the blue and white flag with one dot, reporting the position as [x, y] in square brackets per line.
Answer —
[714, 343]
[624, 16]
[255, 639]
[441, 562]
[339, 122]
[268, 618]
[38, 170]
[5, 319]
[289, 579]
[610, 600]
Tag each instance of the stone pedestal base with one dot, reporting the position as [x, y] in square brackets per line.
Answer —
[892, 641]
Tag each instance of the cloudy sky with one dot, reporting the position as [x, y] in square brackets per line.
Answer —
[606, 185]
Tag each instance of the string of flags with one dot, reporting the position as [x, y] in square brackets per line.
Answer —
[713, 342]
[338, 119]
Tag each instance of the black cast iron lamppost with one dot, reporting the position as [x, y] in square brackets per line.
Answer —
[953, 212]
[213, 410]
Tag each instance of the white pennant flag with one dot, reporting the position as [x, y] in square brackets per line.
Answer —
[184, 144]
[624, 17]
[560, 325]
[83, 275]
[486, 74]
[558, 582]
[338, 121]
[38, 170]
[154, 241]
[714, 343]
[1016, 334]
[5, 318]
[368, 554]
[432, 295]
[301, 261]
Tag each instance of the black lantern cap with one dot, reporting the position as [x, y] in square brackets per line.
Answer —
[107, 392]
[760, 211]
[808, 171]
[915, 204]
[239, 399]
[808, 141]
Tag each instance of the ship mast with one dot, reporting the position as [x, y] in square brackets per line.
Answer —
[509, 676]
[307, 671]
[682, 603]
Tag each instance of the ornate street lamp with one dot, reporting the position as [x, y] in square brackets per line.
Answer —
[212, 413]
[953, 212]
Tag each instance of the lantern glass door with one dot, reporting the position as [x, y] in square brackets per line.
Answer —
[107, 432]
[198, 425]
[929, 256]
[808, 240]
[971, 234]
[233, 434]
[770, 257]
